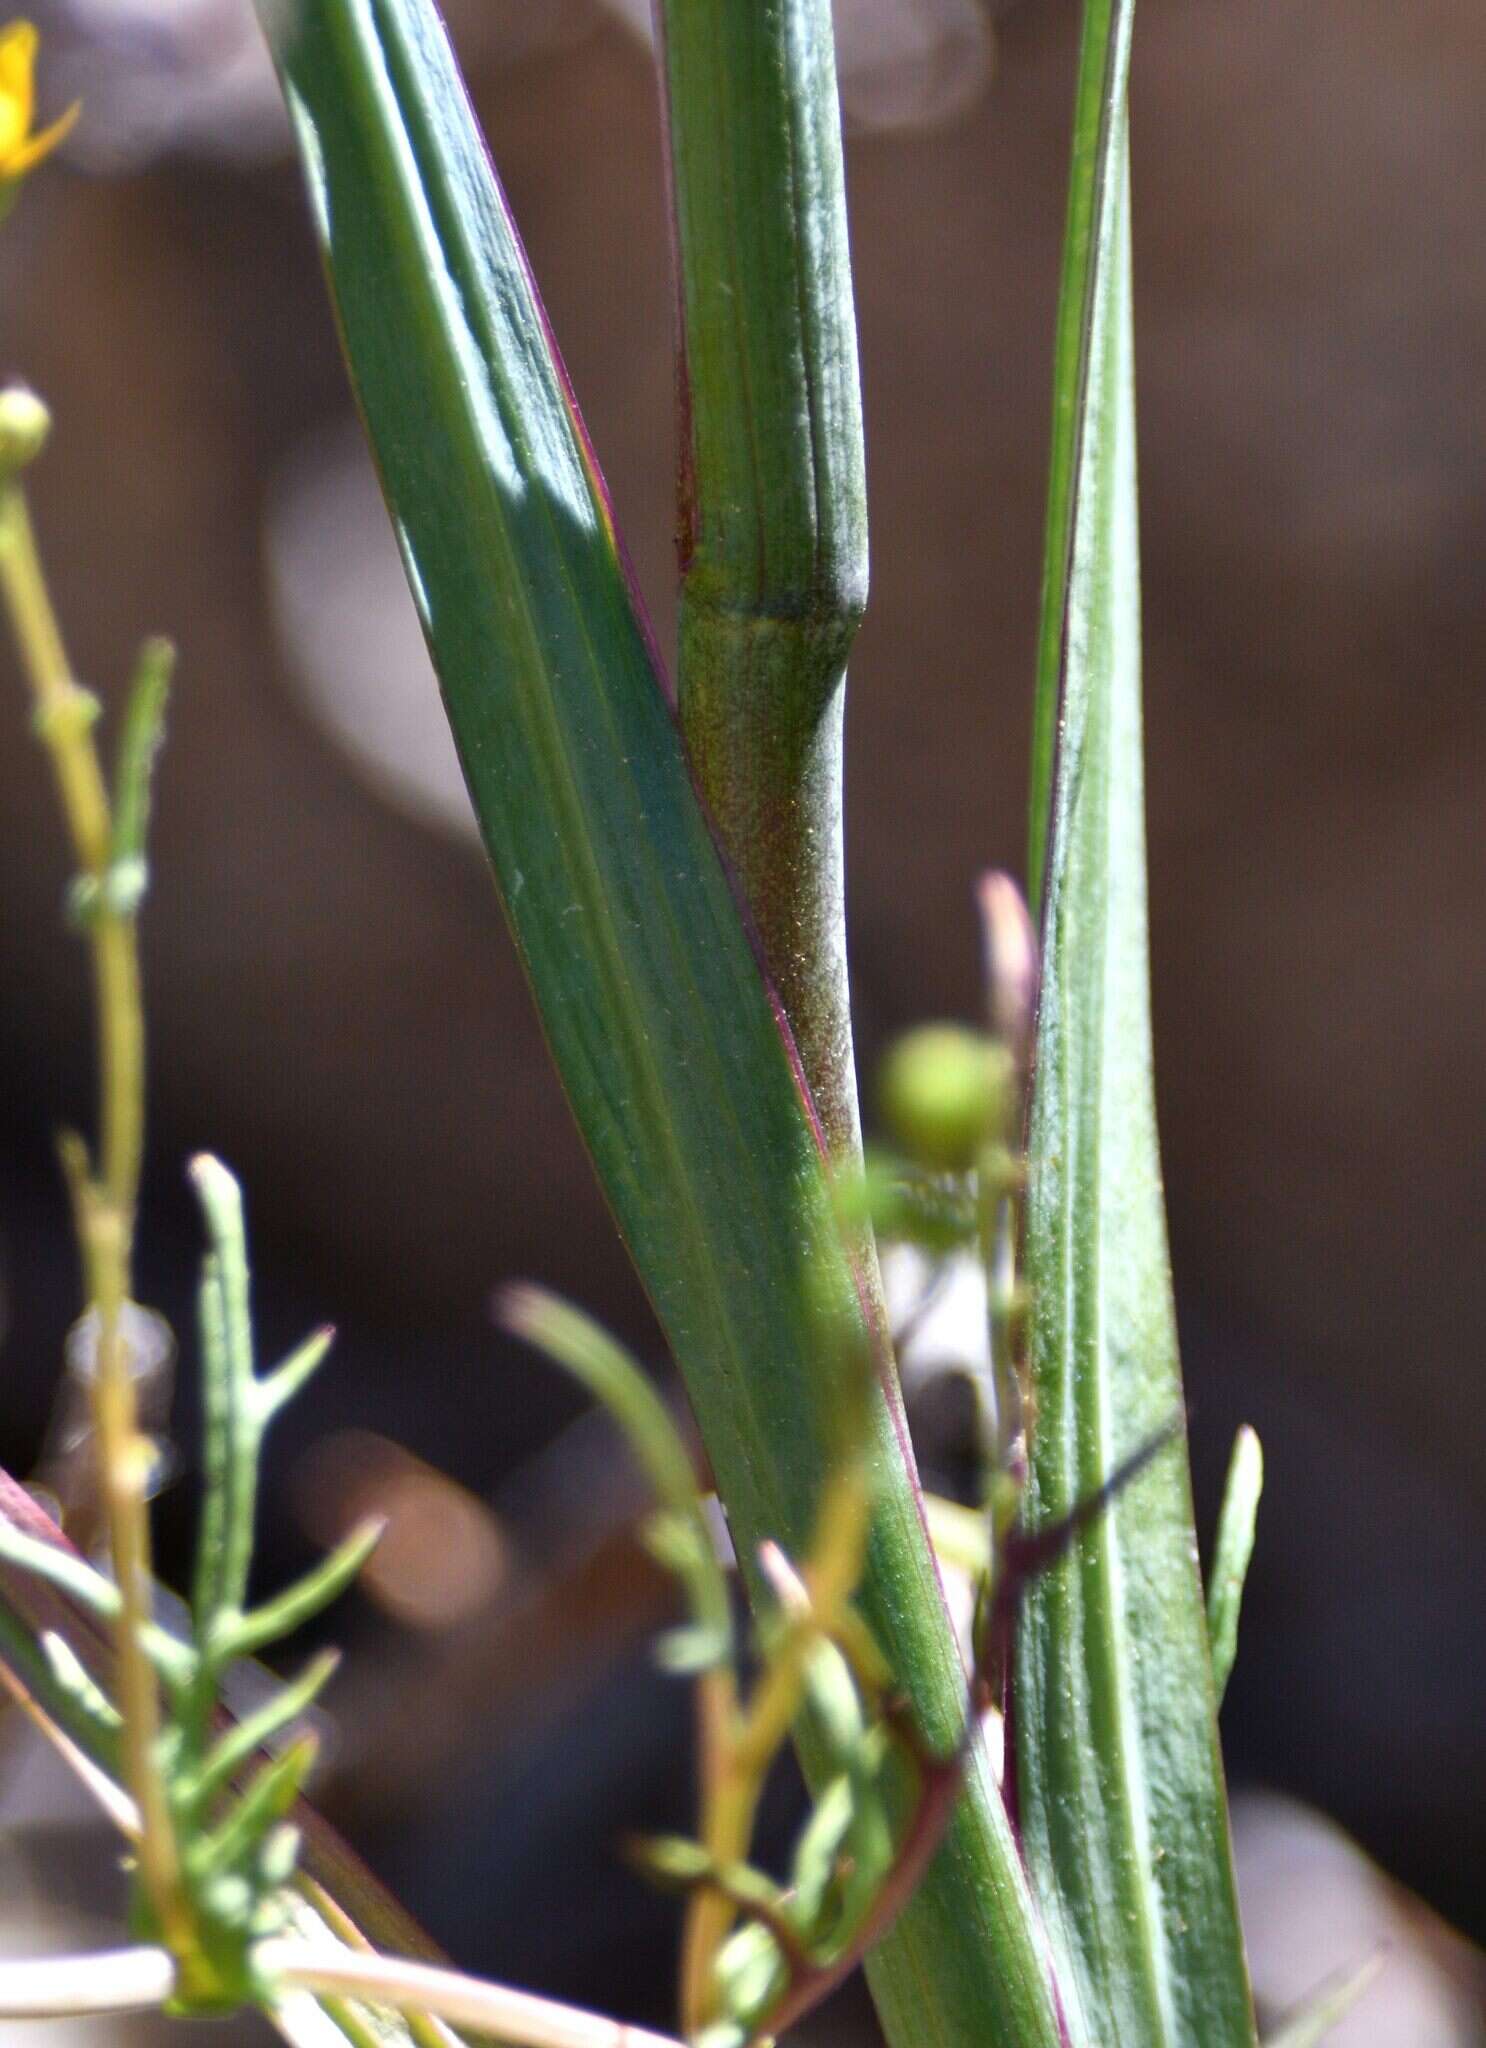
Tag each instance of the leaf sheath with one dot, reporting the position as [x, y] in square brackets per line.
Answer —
[772, 518]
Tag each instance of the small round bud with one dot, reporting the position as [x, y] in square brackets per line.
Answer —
[24, 426]
[944, 1093]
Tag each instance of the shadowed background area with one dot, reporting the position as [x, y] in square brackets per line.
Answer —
[335, 1006]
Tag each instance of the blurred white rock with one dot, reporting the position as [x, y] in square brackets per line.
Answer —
[161, 76]
[1315, 1908]
[350, 634]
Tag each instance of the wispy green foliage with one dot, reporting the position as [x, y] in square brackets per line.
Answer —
[83, 1653]
[236, 1853]
[228, 1799]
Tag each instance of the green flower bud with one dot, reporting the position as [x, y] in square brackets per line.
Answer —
[944, 1093]
[24, 426]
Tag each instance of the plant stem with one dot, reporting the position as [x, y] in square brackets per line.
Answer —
[69, 1987]
[518, 2018]
[64, 716]
[772, 491]
[144, 1979]
[104, 1207]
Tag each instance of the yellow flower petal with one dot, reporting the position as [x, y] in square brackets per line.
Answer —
[18, 45]
[31, 153]
[20, 150]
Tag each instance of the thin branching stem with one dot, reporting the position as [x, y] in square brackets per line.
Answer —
[747, 1740]
[105, 1205]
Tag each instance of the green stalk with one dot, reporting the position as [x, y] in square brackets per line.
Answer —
[665, 1033]
[1119, 1772]
[772, 491]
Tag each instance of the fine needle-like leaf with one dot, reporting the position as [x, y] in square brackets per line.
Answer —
[31, 1679]
[139, 744]
[67, 1572]
[61, 1568]
[1231, 1554]
[266, 1800]
[237, 1748]
[1112, 1708]
[575, 1342]
[244, 1635]
[232, 1428]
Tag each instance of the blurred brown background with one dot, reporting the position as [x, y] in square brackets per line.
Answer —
[334, 1004]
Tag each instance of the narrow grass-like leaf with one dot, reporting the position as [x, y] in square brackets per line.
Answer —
[1113, 1713]
[1231, 1553]
[772, 514]
[665, 1034]
[1100, 125]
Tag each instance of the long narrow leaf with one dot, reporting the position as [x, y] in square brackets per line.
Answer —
[1119, 1773]
[663, 1029]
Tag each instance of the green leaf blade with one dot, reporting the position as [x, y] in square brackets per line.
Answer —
[1120, 1776]
[667, 1038]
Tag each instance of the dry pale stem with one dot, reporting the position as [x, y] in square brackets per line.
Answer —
[105, 1206]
